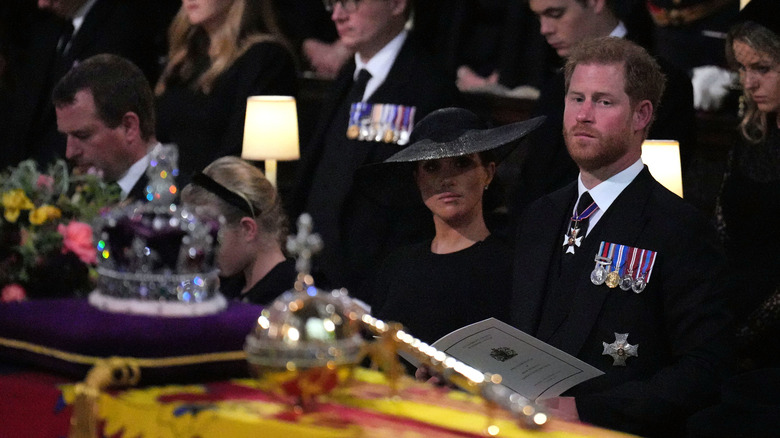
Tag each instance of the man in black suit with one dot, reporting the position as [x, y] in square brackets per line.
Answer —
[564, 23]
[65, 33]
[105, 108]
[632, 284]
[356, 230]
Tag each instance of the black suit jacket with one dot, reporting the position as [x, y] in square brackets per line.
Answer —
[679, 321]
[366, 231]
[133, 29]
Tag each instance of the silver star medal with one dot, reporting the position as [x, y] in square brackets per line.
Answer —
[571, 240]
[620, 350]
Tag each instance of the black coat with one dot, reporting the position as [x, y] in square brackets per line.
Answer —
[365, 231]
[679, 321]
[209, 126]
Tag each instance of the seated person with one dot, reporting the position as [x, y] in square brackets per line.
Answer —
[250, 251]
[462, 275]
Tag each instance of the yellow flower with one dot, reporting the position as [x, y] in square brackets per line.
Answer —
[14, 202]
[44, 213]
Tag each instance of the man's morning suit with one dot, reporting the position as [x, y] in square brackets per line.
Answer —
[357, 231]
[678, 321]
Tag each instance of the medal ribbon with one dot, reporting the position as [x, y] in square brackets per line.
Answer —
[648, 265]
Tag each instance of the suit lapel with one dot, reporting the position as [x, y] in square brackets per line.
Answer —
[86, 33]
[537, 245]
[622, 224]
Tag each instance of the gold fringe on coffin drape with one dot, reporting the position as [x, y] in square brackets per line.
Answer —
[107, 373]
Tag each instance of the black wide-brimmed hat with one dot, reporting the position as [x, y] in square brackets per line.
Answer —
[445, 133]
[763, 12]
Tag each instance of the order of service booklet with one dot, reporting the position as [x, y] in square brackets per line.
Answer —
[527, 365]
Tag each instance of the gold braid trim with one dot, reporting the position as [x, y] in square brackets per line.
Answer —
[142, 362]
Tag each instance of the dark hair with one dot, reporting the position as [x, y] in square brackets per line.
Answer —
[643, 77]
[117, 85]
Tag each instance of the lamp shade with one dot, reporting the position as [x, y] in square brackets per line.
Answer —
[662, 157]
[270, 129]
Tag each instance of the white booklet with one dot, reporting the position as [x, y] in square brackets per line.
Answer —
[527, 365]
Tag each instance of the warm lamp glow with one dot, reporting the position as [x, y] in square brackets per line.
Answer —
[270, 131]
[663, 159]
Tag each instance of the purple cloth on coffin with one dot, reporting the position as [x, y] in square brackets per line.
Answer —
[75, 327]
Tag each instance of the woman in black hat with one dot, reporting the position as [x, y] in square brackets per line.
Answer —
[749, 202]
[463, 274]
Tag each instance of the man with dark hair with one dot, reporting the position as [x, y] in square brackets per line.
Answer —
[564, 24]
[367, 117]
[105, 108]
[631, 279]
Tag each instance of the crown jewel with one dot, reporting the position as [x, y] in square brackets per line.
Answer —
[155, 257]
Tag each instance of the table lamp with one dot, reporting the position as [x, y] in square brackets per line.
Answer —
[270, 131]
[663, 159]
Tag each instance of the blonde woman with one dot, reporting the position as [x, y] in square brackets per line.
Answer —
[749, 202]
[220, 52]
[253, 266]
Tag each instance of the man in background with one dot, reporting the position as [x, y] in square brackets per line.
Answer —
[367, 117]
[66, 32]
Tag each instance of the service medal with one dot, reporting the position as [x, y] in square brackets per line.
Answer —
[613, 279]
[626, 282]
[389, 136]
[352, 132]
[599, 275]
[639, 285]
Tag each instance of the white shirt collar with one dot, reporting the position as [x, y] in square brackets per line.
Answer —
[78, 17]
[380, 64]
[607, 191]
[134, 173]
[619, 31]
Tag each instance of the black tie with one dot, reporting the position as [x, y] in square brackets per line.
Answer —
[358, 87]
[64, 42]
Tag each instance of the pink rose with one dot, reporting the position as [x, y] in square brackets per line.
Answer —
[45, 181]
[77, 238]
[12, 292]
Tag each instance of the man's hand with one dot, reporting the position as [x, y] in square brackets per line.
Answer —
[563, 408]
[469, 80]
[326, 59]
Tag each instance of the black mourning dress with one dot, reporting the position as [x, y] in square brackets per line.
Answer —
[277, 281]
[434, 294]
[208, 126]
[749, 221]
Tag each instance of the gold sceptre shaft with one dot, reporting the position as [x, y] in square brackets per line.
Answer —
[529, 414]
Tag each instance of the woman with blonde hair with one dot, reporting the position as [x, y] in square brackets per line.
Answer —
[220, 53]
[250, 256]
[749, 202]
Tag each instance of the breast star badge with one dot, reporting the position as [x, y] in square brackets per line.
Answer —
[620, 350]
